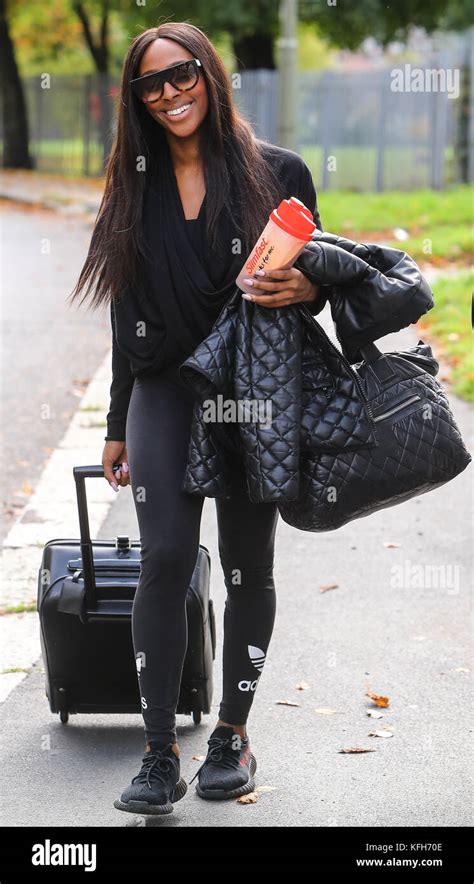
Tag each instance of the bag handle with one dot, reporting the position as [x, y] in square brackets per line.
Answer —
[381, 367]
[370, 352]
[81, 473]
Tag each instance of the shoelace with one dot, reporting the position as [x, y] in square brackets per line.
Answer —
[219, 751]
[154, 766]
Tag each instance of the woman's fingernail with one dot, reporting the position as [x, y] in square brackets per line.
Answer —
[247, 297]
[248, 281]
[125, 467]
[114, 486]
[259, 273]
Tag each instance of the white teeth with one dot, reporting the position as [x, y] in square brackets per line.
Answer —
[177, 110]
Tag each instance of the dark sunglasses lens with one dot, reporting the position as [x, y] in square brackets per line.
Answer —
[151, 88]
[185, 76]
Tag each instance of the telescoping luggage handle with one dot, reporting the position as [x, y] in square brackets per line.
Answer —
[80, 474]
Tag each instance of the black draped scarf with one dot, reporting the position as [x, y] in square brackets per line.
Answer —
[181, 293]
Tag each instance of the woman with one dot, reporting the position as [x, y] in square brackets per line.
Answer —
[188, 191]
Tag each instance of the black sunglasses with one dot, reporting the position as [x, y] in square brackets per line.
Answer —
[183, 75]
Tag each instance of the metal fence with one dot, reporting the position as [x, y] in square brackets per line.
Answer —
[353, 129]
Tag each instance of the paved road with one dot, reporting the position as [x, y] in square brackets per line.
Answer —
[411, 642]
[49, 348]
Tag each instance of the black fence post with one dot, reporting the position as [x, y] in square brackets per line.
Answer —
[87, 125]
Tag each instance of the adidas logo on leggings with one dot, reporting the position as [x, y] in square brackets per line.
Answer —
[257, 657]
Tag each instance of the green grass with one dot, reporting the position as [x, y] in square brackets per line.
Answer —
[405, 168]
[439, 222]
[449, 321]
[20, 608]
[381, 211]
[440, 228]
[65, 156]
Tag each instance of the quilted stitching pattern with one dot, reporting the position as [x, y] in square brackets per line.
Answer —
[416, 453]
[254, 354]
[324, 435]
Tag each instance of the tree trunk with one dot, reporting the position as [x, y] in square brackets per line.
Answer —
[99, 50]
[462, 135]
[16, 153]
[254, 51]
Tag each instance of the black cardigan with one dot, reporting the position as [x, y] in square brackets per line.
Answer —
[297, 180]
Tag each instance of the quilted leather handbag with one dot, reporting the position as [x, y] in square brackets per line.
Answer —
[418, 445]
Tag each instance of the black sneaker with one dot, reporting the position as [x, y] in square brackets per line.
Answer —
[228, 769]
[157, 786]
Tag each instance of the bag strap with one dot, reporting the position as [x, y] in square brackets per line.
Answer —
[370, 352]
[380, 367]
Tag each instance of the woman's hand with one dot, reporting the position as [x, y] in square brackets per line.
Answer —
[116, 453]
[277, 288]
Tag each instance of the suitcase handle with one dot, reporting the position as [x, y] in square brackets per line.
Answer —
[81, 473]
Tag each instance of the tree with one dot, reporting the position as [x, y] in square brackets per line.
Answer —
[100, 51]
[15, 123]
[347, 24]
[253, 26]
[98, 45]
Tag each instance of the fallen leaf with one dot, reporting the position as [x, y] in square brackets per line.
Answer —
[372, 713]
[198, 757]
[378, 699]
[302, 686]
[326, 586]
[286, 703]
[251, 798]
[354, 750]
[386, 733]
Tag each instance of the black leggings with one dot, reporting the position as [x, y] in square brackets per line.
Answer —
[157, 436]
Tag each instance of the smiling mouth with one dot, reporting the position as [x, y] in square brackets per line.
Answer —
[177, 112]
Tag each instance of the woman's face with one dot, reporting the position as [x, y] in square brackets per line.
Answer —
[161, 54]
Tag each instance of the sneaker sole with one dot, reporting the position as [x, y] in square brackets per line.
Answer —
[220, 794]
[157, 809]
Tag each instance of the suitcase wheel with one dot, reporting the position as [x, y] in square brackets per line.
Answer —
[64, 717]
[197, 717]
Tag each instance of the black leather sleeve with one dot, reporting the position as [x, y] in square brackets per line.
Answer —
[376, 290]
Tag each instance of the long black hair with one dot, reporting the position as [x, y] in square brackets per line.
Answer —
[236, 172]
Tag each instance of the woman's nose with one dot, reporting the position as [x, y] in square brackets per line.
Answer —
[169, 91]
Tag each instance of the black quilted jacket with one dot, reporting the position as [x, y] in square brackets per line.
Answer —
[270, 386]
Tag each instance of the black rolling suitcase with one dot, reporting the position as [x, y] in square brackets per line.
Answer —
[85, 596]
